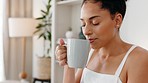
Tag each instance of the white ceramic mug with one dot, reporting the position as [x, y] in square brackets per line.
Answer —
[77, 52]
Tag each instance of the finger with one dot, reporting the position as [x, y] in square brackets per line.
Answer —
[62, 63]
[62, 42]
[60, 48]
[60, 52]
[62, 57]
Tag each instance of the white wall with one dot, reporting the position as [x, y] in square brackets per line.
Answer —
[37, 6]
[135, 25]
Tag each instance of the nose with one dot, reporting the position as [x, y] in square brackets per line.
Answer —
[87, 30]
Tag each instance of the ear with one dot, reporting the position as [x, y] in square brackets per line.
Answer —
[118, 20]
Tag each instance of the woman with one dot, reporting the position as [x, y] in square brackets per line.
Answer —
[111, 59]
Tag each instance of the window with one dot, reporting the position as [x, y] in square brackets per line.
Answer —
[1, 42]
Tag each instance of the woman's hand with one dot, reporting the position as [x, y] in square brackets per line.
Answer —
[61, 53]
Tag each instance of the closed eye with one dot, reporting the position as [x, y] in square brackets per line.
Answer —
[96, 24]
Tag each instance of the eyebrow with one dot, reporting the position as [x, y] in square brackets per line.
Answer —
[91, 17]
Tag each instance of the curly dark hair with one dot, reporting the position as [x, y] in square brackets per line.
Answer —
[113, 6]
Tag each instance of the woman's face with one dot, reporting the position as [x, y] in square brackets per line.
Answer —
[97, 25]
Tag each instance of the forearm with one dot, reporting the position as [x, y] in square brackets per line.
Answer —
[69, 75]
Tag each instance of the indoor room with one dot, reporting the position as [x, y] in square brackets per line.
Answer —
[31, 32]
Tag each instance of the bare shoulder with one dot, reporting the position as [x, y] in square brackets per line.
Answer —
[138, 66]
[139, 55]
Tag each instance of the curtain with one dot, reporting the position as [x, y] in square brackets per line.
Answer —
[2, 77]
[13, 46]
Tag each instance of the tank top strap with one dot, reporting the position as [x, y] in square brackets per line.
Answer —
[90, 54]
[123, 61]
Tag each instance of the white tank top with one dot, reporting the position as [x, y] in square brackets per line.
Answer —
[90, 76]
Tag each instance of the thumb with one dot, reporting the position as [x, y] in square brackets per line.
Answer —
[62, 42]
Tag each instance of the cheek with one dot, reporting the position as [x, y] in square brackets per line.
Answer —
[105, 31]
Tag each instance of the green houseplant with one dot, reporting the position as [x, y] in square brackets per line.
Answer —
[43, 27]
[43, 30]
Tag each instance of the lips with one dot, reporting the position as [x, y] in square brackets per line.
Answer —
[91, 40]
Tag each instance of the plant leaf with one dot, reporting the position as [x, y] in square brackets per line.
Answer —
[49, 1]
[36, 31]
[49, 35]
[41, 35]
[44, 12]
[48, 8]
[44, 37]
[45, 22]
[39, 26]
[40, 18]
